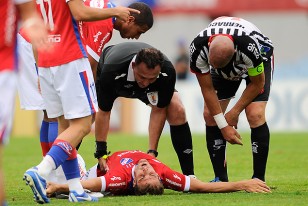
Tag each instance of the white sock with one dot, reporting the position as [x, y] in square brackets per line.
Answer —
[61, 179]
[46, 166]
[74, 184]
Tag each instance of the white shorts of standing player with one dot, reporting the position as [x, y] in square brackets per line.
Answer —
[28, 81]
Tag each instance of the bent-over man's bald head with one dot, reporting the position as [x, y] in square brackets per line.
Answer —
[221, 51]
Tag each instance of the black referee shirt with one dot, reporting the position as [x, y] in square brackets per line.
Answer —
[115, 78]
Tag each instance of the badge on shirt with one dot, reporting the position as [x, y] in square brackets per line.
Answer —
[153, 98]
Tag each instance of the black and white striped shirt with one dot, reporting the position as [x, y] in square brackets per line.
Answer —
[252, 47]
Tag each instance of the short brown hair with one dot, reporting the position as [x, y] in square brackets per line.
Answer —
[150, 189]
[151, 57]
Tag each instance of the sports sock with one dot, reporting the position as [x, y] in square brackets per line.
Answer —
[52, 132]
[44, 137]
[72, 174]
[182, 144]
[216, 146]
[260, 137]
[46, 166]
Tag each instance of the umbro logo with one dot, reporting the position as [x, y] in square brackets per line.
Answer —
[128, 86]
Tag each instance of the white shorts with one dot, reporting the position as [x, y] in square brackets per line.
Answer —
[7, 103]
[27, 84]
[69, 89]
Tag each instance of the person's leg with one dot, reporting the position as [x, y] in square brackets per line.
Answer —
[260, 134]
[7, 103]
[260, 137]
[180, 134]
[2, 192]
[216, 145]
[67, 90]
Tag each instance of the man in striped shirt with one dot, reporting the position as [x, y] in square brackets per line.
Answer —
[229, 50]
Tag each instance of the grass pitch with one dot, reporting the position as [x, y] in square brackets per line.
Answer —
[287, 171]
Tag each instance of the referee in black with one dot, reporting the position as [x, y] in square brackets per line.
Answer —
[137, 70]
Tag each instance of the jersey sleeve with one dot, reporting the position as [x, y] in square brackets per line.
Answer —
[115, 182]
[251, 54]
[199, 56]
[175, 180]
[166, 85]
[105, 91]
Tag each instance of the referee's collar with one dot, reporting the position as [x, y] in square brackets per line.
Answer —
[130, 73]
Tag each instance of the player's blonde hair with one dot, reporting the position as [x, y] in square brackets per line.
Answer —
[150, 189]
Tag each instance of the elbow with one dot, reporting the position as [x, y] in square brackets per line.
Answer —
[79, 17]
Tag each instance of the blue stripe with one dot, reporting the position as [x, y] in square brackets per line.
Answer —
[86, 89]
[77, 34]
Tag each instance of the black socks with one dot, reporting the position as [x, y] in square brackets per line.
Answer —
[182, 144]
[260, 137]
[216, 146]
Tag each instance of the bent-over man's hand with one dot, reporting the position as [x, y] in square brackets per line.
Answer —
[231, 135]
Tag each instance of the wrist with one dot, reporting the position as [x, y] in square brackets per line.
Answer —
[101, 149]
[220, 120]
[153, 152]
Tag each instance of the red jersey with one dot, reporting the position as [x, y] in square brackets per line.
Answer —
[119, 178]
[97, 33]
[64, 34]
[8, 25]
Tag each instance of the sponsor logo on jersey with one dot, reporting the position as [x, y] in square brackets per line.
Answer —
[253, 48]
[97, 3]
[56, 38]
[176, 177]
[126, 161]
[103, 42]
[114, 178]
[117, 184]
[128, 152]
[173, 183]
[153, 98]
[96, 36]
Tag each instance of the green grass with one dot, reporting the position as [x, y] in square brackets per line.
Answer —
[287, 171]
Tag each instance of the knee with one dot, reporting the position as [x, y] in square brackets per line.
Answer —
[84, 128]
[208, 118]
[255, 117]
[176, 114]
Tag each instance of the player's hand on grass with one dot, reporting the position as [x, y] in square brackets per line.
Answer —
[51, 188]
[231, 135]
[255, 185]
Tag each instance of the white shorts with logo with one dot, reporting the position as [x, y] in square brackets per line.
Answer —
[28, 81]
[7, 103]
[69, 89]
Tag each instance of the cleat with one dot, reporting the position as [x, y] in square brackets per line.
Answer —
[216, 179]
[37, 185]
[74, 197]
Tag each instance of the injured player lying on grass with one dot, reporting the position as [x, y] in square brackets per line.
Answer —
[134, 172]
